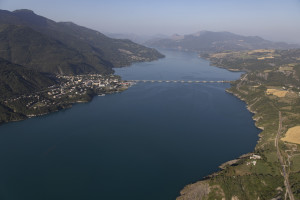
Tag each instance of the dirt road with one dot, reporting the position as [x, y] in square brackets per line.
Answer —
[280, 158]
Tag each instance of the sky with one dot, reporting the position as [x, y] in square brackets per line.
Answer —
[277, 20]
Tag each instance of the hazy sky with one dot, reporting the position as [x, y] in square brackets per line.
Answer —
[272, 19]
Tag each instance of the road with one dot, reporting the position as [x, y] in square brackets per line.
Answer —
[280, 158]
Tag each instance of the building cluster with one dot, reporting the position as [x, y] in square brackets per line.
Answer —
[70, 89]
[80, 84]
[253, 159]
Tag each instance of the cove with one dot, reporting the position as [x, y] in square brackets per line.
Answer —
[145, 143]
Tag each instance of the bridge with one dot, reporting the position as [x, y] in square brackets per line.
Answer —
[176, 81]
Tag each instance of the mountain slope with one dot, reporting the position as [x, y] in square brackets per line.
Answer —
[24, 46]
[119, 52]
[72, 49]
[207, 41]
[16, 80]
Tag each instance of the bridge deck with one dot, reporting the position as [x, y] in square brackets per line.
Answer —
[177, 81]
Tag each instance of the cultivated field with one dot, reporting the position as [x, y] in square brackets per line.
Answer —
[292, 135]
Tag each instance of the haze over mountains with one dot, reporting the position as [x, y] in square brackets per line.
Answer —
[64, 48]
[208, 41]
[140, 39]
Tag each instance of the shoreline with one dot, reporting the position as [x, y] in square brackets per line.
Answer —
[61, 96]
[224, 167]
[202, 184]
[66, 106]
[26, 117]
[70, 105]
[258, 174]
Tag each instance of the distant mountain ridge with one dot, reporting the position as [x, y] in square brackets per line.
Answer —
[140, 39]
[208, 41]
[63, 47]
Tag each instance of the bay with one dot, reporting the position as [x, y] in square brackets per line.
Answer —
[145, 143]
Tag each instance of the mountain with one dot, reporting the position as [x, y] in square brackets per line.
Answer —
[140, 39]
[130, 36]
[16, 80]
[64, 48]
[208, 41]
[23, 45]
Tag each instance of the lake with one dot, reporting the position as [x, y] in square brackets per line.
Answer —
[147, 142]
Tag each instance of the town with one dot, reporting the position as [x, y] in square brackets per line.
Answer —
[67, 91]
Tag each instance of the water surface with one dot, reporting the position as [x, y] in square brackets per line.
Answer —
[145, 143]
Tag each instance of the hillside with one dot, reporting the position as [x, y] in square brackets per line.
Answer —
[16, 80]
[24, 46]
[64, 48]
[208, 41]
[271, 89]
[260, 59]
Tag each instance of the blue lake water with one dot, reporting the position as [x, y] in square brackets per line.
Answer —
[145, 143]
